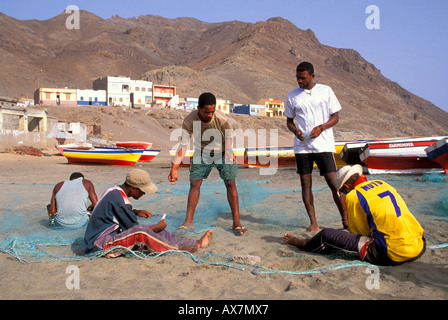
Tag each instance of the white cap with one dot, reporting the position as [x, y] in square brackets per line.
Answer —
[344, 174]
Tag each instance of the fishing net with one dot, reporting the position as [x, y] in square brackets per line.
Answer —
[27, 235]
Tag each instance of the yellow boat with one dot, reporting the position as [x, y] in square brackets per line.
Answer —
[251, 156]
[285, 156]
[108, 156]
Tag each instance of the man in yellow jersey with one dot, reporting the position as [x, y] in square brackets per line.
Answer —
[382, 229]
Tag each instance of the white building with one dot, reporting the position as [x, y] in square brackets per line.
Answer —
[89, 97]
[141, 93]
[223, 105]
[122, 91]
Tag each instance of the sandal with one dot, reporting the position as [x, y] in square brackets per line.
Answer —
[184, 229]
[239, 231]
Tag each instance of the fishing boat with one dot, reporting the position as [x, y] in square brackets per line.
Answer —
[134, 144]
[399, 156]
[76, 145]
[352, 150]
[108, 156]
[284, 156]
[148, 155]
[259, 157]
[438, 152]
[255, 157]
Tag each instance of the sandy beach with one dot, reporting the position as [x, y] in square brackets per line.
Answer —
[284, 272]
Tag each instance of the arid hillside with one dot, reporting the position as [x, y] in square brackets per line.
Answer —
[238, 61]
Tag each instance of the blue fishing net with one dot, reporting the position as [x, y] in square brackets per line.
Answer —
[25, 232]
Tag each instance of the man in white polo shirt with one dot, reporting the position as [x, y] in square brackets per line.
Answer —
[315, 109]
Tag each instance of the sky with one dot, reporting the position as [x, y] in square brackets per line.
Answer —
[406, 39]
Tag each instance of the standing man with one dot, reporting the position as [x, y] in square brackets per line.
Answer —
[315, 109]
[213, 138]
[69, 206]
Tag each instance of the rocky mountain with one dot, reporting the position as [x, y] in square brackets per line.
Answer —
[238, 61]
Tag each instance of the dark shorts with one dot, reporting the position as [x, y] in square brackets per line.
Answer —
[324, 161]
[200, 171]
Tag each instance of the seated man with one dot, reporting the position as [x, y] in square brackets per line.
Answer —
[114, 222]
[68, 206]
[382, 229]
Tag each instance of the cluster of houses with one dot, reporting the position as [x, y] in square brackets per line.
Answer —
[123, 91]
[33, 127]
[30, 126]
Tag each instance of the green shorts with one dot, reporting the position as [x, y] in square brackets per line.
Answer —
[200, 171]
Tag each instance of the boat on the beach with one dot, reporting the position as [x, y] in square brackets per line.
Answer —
[256, 157]
[438, 152]
[76, 146]
[399, 156]
[285, 157]
[148, 155]
[134, 144]
[107, 156]
[259, 157]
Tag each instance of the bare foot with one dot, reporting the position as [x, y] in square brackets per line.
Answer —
[289, 239]
[205, 240]
[201, 243]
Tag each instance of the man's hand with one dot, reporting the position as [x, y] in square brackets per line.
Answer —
[143, 213]
[317, 131]
[159, 227]
[172, 177]
[229, 157]
[299, 134]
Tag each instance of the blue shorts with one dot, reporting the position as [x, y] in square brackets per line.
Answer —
[200, 171]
